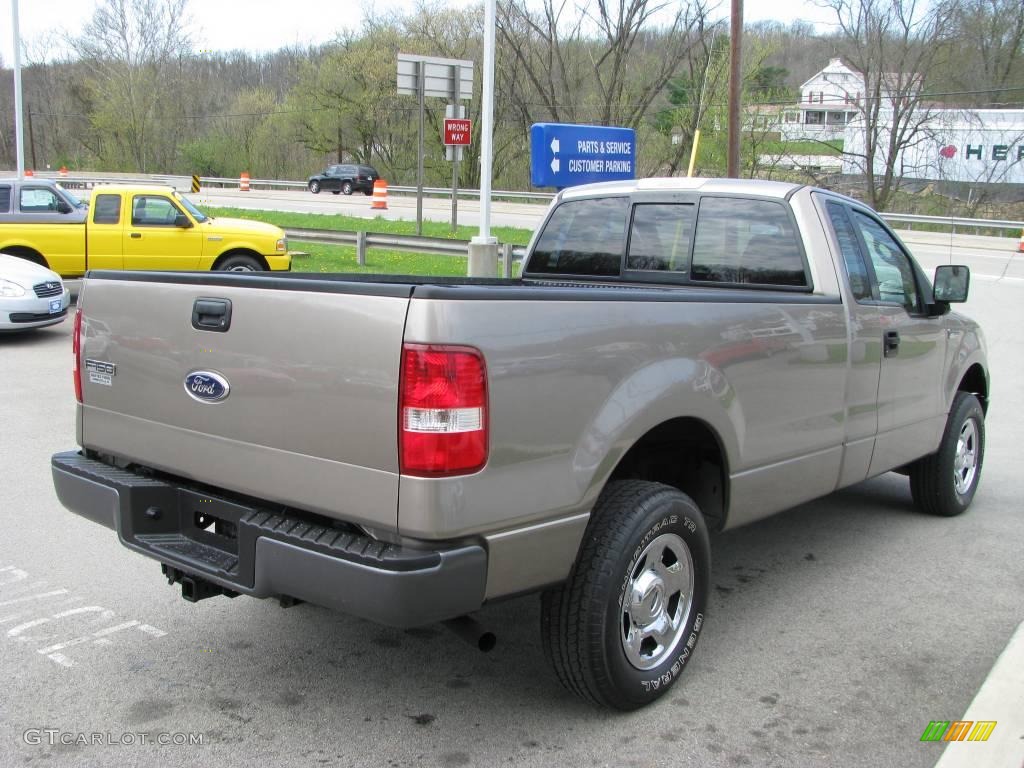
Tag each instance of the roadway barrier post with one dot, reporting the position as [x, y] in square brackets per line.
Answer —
[380, 196]
[361, 248]
[243, 182]
[195, 183]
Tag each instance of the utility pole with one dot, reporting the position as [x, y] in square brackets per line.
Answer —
[735, 86]
[31, 137]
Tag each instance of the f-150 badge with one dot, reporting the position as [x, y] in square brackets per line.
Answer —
[101, 372]
[207, 386]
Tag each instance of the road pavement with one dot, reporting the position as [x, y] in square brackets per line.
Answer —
[837, 630]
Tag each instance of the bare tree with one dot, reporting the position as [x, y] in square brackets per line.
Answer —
[986, 55]
[607, 60]
[893, 44]
[132, 51]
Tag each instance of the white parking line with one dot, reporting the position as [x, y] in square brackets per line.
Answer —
[1000, 700]
[14, 583]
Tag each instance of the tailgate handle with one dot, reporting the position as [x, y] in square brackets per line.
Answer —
[211, 315]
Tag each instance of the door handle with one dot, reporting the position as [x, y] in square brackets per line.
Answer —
[891, 343]
[211, 315]
[136, 235]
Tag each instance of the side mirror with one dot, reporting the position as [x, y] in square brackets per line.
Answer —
[181, 220]
[63, 206]
[951, 283]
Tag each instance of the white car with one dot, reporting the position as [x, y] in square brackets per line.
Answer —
[31, 296]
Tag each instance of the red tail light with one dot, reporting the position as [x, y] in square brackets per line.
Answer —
[76, 348]
[442, 417]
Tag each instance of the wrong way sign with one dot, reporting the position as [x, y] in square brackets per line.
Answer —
[457, 132]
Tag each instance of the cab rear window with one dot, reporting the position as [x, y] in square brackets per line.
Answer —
[584, 238]
[5, 198]
[746, 241]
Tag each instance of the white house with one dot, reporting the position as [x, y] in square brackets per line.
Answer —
[828, 102]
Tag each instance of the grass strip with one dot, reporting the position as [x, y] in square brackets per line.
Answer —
[338, 223]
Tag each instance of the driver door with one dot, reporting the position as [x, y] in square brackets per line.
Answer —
[910, 404]
[153, 240]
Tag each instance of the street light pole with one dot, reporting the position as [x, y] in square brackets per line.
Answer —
[483, 249]
[19, 128]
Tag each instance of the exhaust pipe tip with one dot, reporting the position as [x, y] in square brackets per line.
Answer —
[472, 632]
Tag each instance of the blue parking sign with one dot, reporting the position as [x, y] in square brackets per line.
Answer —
[564, 154]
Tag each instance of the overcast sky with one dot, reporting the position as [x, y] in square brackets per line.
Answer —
[265, 25]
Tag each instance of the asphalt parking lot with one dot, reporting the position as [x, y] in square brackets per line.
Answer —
[837, 630]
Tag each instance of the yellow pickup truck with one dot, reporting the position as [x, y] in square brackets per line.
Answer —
[129, 227]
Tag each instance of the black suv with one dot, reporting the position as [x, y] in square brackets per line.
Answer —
[344, 178]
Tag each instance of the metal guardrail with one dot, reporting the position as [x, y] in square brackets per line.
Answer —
[953, 221]
[414, 243]
[508, 254]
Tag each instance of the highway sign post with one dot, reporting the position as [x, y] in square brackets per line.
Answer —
[564, 154]
[424, 76]
[459, 129]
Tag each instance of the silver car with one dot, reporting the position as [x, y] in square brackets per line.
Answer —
[31, 296]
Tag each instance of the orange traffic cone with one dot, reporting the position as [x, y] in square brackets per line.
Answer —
[63, 172]
[380, 196]
[1022, 241]
[243, 182]
[29, 173]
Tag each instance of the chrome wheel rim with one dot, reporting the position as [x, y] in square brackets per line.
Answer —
[965, 464]
[657, 601]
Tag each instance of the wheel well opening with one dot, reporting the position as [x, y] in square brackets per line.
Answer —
[686, 454]
[240, 252]
[29, 254]
[975, 383]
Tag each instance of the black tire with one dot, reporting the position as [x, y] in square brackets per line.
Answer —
[367, 192]
[933, 479]
[240, 263]
[335, 191]
[346, 187]
[314, 187]
[584, 621]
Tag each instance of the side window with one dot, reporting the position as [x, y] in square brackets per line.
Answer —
[106, 209]
[153, 211]
[746, 241]
[659, 237]
[37, 200]
[583, 237]
[893, 271]
[5, 198]
[860, 284]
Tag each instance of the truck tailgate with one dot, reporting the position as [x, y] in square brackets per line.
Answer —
[312, 367]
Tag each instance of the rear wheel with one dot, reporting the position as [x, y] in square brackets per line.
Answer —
[625, 623]
[346, 187]
[367, 192]
[240, 263]
[944, 483]
[314, 187]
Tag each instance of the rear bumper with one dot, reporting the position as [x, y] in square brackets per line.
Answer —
[265, 552]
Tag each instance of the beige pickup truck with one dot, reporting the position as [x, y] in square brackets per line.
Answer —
[679, 356]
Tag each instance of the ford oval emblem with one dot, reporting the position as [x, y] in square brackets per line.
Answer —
[207, 386]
